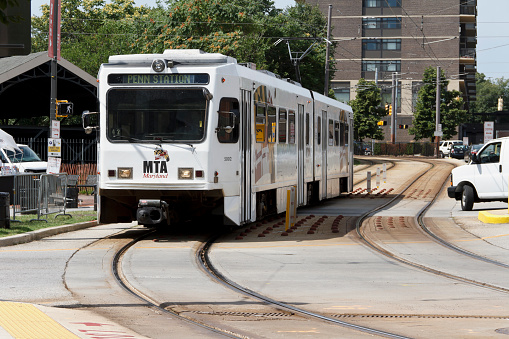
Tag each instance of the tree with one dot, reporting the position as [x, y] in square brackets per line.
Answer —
[93, 30]
[451, 112]
[488, 93]
[367, 111]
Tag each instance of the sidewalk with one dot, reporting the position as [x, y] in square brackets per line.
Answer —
[26, 320]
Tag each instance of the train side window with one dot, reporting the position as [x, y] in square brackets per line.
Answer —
[282, 126]
[291, 127]
[271, 124]
[345, 134]
[336, 134]
[331, 132]
[260, 123]
[307, 128]
[228, 121]
[319, 130]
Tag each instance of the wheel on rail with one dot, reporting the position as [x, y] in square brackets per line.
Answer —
[467, 198]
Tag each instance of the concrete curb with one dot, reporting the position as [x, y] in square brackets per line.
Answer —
[43, 233]
[490, 218]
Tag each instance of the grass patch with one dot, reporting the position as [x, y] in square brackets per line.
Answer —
[25, 225]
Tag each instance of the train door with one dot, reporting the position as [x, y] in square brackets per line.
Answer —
[324, 128]
[247, 208]
[317, 152]
[300, 138]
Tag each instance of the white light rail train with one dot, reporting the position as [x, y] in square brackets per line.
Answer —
[188, 133]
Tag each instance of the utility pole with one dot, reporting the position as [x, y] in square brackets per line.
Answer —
[394, 107]
[326, 86]
[53, 52]
[438, 126]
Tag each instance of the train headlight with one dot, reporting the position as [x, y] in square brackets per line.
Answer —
[158, 65]
[186, 173]
[125, 172]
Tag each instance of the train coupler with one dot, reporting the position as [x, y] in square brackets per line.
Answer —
[152, 212]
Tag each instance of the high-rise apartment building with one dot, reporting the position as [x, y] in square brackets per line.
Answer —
[376, 38]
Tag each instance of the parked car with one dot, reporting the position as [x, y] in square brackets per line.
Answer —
[446, 146]
[457, 152]
[25, 160]
[471, 151]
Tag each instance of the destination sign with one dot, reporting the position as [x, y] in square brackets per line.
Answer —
[158, 79]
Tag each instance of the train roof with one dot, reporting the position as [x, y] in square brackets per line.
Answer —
[177, 56]
[188, 57]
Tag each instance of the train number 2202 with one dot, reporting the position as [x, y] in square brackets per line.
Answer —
[227, 158]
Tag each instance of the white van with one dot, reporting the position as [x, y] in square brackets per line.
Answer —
[26, 161]
[485, 178]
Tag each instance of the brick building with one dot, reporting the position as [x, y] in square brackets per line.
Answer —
[376, 38]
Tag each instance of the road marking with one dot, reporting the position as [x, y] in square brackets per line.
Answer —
[27, 321]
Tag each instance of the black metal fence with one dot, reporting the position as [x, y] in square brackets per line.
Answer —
[395, 149]
[74, 151]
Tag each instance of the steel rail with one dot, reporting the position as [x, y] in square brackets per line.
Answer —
[393, 256]
[419, 221]
[123, 282]
[206, 264]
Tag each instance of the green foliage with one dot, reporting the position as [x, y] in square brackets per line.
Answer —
[367, 111]
[488, 92]
[93, 30]
[451, 112]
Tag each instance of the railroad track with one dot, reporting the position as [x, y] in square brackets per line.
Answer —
[379, 243]
[410, 191]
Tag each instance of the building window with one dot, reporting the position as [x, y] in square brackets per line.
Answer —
[381, 23]
[382, 3]
[391, 45]
[381, 44]
[342, 91]
[391, 3]
[382, 65]
[391, 23]
[371, 3]
[371, 45]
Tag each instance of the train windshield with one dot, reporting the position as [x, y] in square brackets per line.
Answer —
[172, 115]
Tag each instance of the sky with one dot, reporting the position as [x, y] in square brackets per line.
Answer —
[492, 37]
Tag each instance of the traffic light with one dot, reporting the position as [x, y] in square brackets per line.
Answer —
[403, 126]
[64, 108]
[388, 108]
[382, 123]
